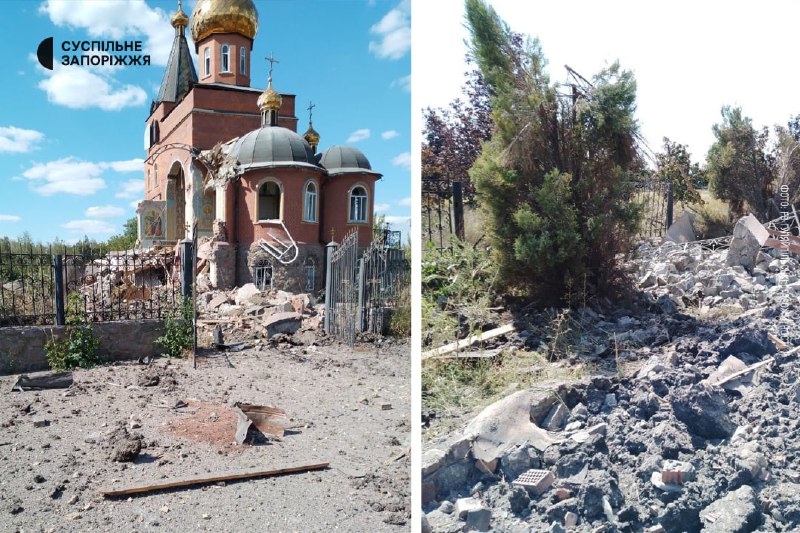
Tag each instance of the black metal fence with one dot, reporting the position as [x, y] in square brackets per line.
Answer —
[45, 285]
[656, 199]
[442, 212]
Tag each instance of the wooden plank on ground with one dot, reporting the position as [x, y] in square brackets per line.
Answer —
[249, 474]
[469, 341]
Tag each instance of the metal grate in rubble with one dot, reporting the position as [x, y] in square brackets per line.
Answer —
[536, 481]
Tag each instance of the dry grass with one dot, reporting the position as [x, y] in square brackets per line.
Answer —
[452, 387]
[712, 217]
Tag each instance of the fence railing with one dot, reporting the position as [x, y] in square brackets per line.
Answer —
[42, 285]
[442, 211]
[362, 289]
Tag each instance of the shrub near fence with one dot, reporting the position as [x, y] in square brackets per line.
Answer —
[35, 283]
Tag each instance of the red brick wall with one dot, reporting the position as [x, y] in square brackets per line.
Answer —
[214, 43]
[292, 183]
[336, 205]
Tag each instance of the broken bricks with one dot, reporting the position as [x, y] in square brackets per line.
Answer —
[535, 482]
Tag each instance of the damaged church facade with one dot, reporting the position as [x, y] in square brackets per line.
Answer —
[226, 165]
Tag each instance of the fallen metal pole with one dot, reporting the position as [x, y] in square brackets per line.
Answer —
[108, 493]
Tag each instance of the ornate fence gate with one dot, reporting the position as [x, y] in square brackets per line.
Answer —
[362, 289]
[383, 274]
[341, 289]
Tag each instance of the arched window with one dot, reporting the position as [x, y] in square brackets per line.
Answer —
[262, 274]
[310, 203]
[226, 58]
[207, 60]
[155, 167]
[310, 270]
[358, 205]
[269, 201]
[242, 62]
[148, 179]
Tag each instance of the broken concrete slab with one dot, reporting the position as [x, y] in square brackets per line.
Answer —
[55, 380]
[245, 293]
[283, 323]
[748, 238]
[704, 410]
[511, 422]
[465, 505]
[683, 229]
[736, 512]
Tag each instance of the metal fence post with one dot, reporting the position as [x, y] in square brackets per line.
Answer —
[330, 248]
[458, 209]
[361, 278]
[670, 195]
[187, 267]
[58, 278]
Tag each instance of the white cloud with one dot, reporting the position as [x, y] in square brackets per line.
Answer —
[134, 204]
[104, 211]
[89, 227]
[80, 88]
[131, 189]
[404, 201]
[381, 208]
[19, 140]
[358, 135]
[402, 160]
[393, 33]
[404, 83]
[70, 175]
[129, 165]
[118, 20]
[391, 134]
[10, 218]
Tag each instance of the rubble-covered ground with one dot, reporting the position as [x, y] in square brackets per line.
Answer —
[672, 432]
[130, 424]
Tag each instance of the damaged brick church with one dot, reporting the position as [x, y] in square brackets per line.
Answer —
[225, 164]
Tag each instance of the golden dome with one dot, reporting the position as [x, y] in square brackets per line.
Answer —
[311, 136]
[223, 16]
[179, 18]
[269, 100]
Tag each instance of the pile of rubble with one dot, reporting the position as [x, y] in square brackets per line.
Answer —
[703, 436]
[123, 284]
[247, 313]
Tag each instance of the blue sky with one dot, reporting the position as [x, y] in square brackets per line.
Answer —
[71, 141]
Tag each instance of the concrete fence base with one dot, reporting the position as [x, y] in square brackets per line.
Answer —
[22, 348]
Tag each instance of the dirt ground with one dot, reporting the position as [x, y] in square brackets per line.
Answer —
[350, 408]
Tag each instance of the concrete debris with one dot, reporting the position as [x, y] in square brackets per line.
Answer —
[748, 238]
[688, 424]
[736, 512]
[248, 314]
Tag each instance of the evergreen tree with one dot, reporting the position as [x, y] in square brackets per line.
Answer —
[555, 176]
[739, 167]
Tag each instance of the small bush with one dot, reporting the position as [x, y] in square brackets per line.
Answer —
[178, 331]
[78, 347]
[400, 319]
